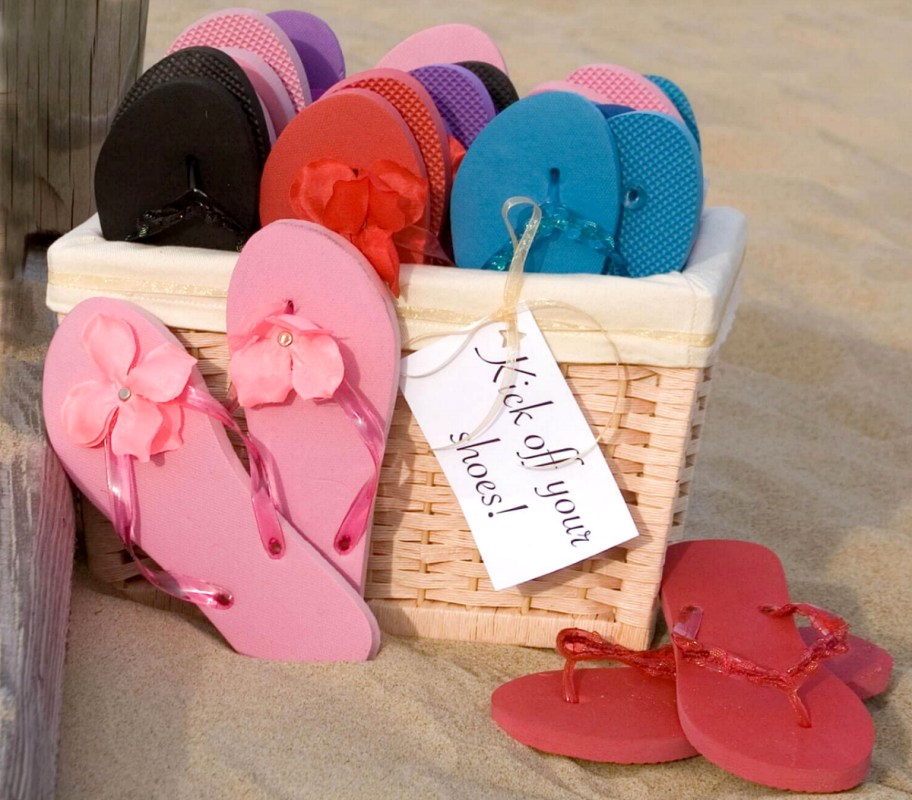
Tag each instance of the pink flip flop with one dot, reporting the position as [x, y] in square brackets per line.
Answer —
[131, 419]
[625, 87]
[443, 44]
[267, 85]
[253, 31]
[314, 344]
[628, 715]
[750, 696]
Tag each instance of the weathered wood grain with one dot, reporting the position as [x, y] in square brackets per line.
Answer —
[64, 64]
[36, 551]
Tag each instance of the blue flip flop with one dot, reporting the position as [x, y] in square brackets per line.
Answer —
[661, 193]
[556, 149]
[676, 95]
[626, 205]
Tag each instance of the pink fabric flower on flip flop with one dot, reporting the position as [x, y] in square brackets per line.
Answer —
[276, 351]
[133, 403]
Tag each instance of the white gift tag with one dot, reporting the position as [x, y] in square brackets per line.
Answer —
[530, 514]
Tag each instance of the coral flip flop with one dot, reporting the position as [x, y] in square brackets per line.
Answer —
[331, 148]
[750, 697]
[256, 32]
[131, 419]
[314, 344]
[443, 44]
[417, 109]
[628, 715]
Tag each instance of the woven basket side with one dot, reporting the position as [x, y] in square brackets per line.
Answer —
[425, 576]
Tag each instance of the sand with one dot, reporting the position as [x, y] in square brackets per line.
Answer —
[805, 117]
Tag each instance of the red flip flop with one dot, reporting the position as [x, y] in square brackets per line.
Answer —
[625, 715]
[417, 108]
[628, 715]
[750, 696]
[359, 134]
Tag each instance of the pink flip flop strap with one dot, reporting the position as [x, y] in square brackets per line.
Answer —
[833, 632]
[121, 479]
[371, 430]
[576, 645]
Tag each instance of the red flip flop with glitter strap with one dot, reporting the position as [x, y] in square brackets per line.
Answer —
[629, 714]
[751, 696]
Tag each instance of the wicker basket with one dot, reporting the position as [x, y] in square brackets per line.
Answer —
[425, 576]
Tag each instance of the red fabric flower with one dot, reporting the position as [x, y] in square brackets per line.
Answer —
[366, 206]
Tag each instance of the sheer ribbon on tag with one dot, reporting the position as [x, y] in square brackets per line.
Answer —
[507, 313]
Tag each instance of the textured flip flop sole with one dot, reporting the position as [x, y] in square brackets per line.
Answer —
[196, 519]
[143, 165]
[497, 82]
[623, 716]
[268, 87]
[319, 458]
[460, 97]
[317, 47]
[676, 94]
[752, 731]
[205, 62]
[255, 32]
[661, 192]
[543, 140]
[624, 87]
[417, 108]
[443, 44]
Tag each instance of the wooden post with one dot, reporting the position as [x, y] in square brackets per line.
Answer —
[64, 65]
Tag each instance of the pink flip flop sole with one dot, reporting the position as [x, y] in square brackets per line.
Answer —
[624, 87]
[253, 31]
[320, 458]
[750, 730]
[443, 44]
[195, 518]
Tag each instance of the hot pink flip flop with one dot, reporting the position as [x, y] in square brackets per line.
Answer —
[253, 31]
[131, 419]
[314, 344]
[750, 695]
[628, 715]
[443, 44]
